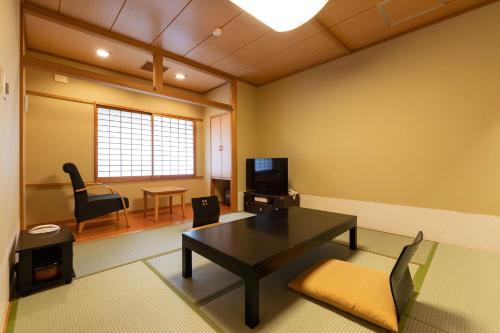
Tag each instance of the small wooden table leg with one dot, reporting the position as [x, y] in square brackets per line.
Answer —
[251, 301]
[187, 266]
[157, 203]
[353, 238]
[170, 203]
[145, 198]
[182, 204]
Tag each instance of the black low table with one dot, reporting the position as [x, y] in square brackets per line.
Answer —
[256, 246]
[37, 251]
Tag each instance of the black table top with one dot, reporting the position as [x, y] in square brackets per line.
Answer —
[27, 241]
[255, 239]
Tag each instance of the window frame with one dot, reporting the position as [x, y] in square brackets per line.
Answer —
[122, 179]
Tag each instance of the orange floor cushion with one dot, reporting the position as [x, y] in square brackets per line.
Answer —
[364, 292]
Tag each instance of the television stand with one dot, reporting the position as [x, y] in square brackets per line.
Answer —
[257, 203]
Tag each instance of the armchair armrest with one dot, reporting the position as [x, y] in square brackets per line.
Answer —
[111, 189]
[97, 185]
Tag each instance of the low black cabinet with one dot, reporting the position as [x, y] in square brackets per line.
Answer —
[263, 203]
[44, 260]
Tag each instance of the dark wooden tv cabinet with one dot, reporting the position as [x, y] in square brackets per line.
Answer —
[257, 203]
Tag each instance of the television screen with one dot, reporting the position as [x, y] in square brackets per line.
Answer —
[267, 175]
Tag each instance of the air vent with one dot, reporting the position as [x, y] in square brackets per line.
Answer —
[148, 67]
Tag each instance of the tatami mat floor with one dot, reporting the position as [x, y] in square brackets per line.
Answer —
[139, 288]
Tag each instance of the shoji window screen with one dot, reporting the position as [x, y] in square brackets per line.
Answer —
[141, 145]
[173, 146]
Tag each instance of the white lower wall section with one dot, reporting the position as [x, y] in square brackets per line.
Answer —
[5, 270]
[462, 229]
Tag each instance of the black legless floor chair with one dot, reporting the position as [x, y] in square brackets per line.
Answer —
[369, 294]
[206, 212]
[89, 206]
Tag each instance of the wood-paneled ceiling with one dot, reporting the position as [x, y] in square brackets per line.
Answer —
[247, 49]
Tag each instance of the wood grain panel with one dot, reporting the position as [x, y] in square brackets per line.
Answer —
[113, 36]
[195, 80]
[400, 10]
[238, 32]
[265, 46]
[314, 50]
[98, 12]
[247, 48]
[429, 17]
[360, 25]
[48, 4]
[145, 20]
[195, 24]
[123, 59]
[338, 11]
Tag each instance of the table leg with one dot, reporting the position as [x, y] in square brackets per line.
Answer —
[353, 238]
[157, 203]
[187, 266]
[251, 301]
[170, 203]
[182, 204]
[145, 199]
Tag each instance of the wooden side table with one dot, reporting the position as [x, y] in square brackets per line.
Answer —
[38, 252]
[157, 192]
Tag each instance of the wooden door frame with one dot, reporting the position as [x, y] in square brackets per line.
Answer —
[234, 148]
[22, 181]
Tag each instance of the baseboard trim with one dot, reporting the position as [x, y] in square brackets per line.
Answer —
[475, 231]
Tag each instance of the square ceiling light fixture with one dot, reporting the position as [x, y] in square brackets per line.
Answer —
[282, 15]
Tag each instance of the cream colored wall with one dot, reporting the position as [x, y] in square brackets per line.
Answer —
[59, 131]
[9, 146]
[412, 121]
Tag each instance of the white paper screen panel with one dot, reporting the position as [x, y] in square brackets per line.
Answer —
[173, 146]
[124, 143]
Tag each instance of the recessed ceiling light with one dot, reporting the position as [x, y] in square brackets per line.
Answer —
[102, 53]
[217, 32]
[180, 76]
[282, 15]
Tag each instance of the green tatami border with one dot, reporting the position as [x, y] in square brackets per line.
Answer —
[128, 263]
[193, 306]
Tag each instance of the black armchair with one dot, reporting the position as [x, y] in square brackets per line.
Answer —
[90, 206]
[206, 211]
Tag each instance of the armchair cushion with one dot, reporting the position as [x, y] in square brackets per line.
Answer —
[363, 292]
[101, 204]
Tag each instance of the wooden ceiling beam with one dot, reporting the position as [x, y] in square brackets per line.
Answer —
[113, 36]
[328, 33]
[157, 72]
[54, 67]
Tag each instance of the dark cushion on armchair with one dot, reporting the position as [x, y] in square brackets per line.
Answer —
[101, 204]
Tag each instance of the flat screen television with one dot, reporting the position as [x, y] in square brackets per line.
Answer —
[267, 175]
